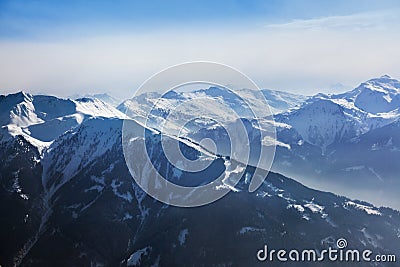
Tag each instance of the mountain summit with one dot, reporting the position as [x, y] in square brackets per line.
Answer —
[41, 118]
[378, 95]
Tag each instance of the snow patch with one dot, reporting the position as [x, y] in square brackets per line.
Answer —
[136, 257]
[297, 207]
[315, 208]
[127, 196]
[248, 229]
[127, 216]
[182, 236]
[368, 209]
[96, 187]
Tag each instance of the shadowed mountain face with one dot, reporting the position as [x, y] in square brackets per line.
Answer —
[76, 204]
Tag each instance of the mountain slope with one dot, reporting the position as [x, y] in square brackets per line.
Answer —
[283, 101]
[321, 123]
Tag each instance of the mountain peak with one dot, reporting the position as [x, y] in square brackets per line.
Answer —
[20, 96]
[86, 100]
[24, 94]
[377, 95]
[10, 101]
[385, 77]
[105, 97]
[383, 80]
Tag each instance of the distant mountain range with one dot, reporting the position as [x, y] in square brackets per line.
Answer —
[347, 143]
[68, 198]
[105, 97]
[329, 142]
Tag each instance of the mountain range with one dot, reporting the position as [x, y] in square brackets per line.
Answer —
[346, 143]
[68, 198]
[334, 142]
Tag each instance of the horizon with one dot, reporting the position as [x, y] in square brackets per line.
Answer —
[123, 98]
[303, 48]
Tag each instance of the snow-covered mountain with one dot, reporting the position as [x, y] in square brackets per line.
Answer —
[65, 186]
[310, 131]
[195, 111]
[325, 119]
[162, 105]
[334, 138]
[375, 96]
[78, 200]
[281, 101]
[41, 118]
[321, 120]
[105, 97]
[321, 123]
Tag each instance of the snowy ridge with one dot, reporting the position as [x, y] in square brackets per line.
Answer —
[161, 106]
[41, 119]
[283, 101]
[325, 119]
[18, 109]
[96, 107]
[104, 97]
[378, 95]
[368, 209]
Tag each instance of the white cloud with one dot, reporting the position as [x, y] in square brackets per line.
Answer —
[283, 57]
[360, 21]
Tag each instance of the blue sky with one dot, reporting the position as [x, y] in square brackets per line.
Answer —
[66, 47]
[30, 19]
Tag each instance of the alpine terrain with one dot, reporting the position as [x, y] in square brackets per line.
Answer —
[68, 198]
